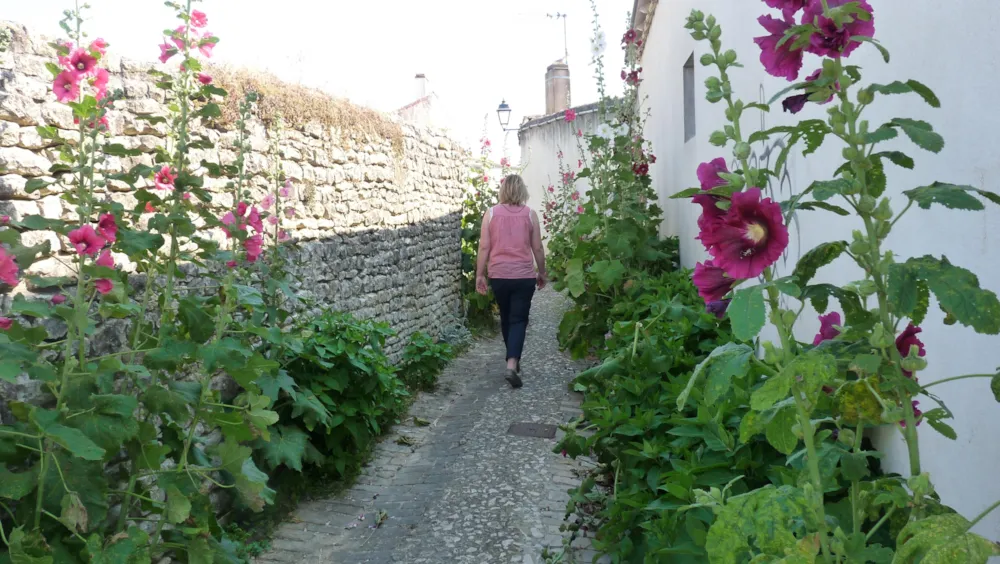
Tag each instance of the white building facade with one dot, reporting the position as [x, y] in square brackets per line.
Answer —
[949, 50]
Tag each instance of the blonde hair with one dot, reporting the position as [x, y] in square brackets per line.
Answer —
[513, 191]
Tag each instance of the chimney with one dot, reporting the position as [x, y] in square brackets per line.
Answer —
[557, 95]
[421, 86]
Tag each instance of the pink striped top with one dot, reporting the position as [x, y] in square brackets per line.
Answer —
[510, 243]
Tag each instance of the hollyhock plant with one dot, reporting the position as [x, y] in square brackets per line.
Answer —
[640, 169]
[8, 268]
[784, 61]
[794, 104]
[629, 37]
[750, 237]
[712, 282]
[241, 209]
[917, 414]
[827, 329]
[831, 40]
[165, 178]
[907, 339]
[107, 227]
[86, 241]
[228, 220]
[66, 87]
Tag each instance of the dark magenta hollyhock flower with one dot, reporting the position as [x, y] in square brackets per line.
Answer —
[784, 61]
[833, 41]
[712, 282]
[827, 331]
[792, 5]
[751, 236]
[905, 340]
[708, 173]
[718, 308]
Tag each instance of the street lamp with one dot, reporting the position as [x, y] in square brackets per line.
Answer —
[503, 114]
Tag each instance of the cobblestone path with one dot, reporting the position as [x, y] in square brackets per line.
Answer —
[460, 490]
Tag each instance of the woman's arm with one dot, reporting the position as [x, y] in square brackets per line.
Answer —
[538, 250]
[484, 254]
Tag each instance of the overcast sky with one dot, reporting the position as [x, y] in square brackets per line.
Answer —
[474, 52]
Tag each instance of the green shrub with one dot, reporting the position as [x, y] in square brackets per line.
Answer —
[423, 360]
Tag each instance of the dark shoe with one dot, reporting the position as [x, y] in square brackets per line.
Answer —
[513, 379]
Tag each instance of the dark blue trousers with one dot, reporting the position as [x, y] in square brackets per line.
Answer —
[514, 300]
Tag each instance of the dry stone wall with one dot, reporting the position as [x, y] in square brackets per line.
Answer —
[377, 221]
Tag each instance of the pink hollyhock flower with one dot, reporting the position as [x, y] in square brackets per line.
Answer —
[101, 83]
[99, 46]
[86, 241]
[575, 196]
[629, 37]
[552, 188]
[186, 196]
[241, 209]
[165, 178]
[712, 282]
[108, 227]
[783, 62]
[253, 220]
[149, 207]
[8, 268]
[106, 260]
[284, 237]
[289, 212]
[486, 143]
[790, 5]
[570, 115]
[166, 51]
[718, 308]
[486, 179]
[4, 219]
[58, 299]
[104, 286]
[231, 264]
[254, 247]
[750, 237]
[198, 18]
[178, 36]
[708, 173]
[286, 190]
[267, 202]
[66, 87]
[204, 78]
[207, 44]
[579, 133]
[831, 41]
[228, 220]
[559, 155]
[579, 209]
[568, 177]
[827, 331]
[82, 62]
[6, 323]
[272, 219]
[905, 340]
[505, 162]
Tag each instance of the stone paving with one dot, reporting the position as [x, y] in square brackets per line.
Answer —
[461, 489]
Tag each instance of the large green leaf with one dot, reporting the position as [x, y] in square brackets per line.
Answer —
[287, 445]
[69, 438]
[951, 196]
[921, 133]
[28, 548]
[898, 87]
[131, 547]
[731, 352]
[779, 431]
[178, 505]
[272, 384]
[958, 293]
[775, 389]
[747, 313]
[574, 277]
[192, 314]
[734, 363]
[14, 486]
[608, 272]
[109, 421]
[756, 523]
[251, 484]
[942, 539]
[818, 257]
[825, 189]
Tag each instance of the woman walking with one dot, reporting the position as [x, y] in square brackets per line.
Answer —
[509, 239]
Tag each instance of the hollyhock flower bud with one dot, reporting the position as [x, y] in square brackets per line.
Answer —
[86, 241]
[830, 40]
[827, 329]
[104, 286]
[66, 87]
[186, 196]
[713, 283]
[6, 323]
[107, 227]
[231, 264]
[579, 209]
[8, 268]
[718, 308]
[58, 299]
[106, 260]
[228, 220]
[750, 237]
[784, 61]
[552, 188]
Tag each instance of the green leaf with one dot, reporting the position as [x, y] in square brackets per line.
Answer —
[877, 180]
[884, 133]
[28, 548]
[995, 387]
[574, 277]
[881, 49]
[902, 291]
[898, 87]
[248, 296]
[775, 389]
[14, 486]
[129, 548]
[728, 351]
[36, 184]
[272, 384]
[139, 243]
[38, 309]
[287, 445]
[178, 506]
[609, 273]
[74, 514]
[200, 552]
[854, 465]
[921, 133]
[251, 484]
[759, 519]
[747, 313]
[779, 431]
[959, 294]
[815, 259]
[734, 363]
[69, 438]
[119, 150]
[866, 364]
[950, 196]
[808, 206]
[942, 539]
[193, 316]
[210, 110]
[825, 189]
[897, 158]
